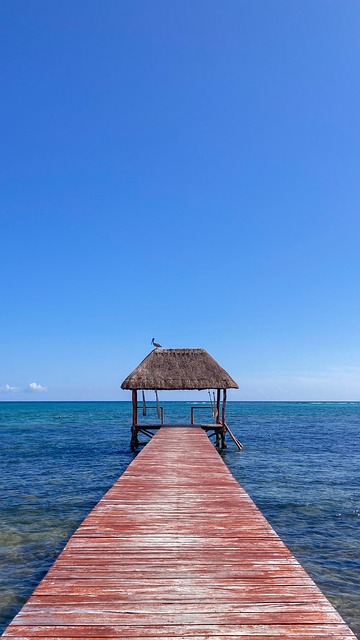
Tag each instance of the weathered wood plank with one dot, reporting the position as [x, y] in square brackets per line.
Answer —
[328, 631]
[97, 616]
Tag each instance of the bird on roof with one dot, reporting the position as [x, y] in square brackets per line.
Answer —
[156, 344]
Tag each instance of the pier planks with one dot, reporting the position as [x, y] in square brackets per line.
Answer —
[177, 549]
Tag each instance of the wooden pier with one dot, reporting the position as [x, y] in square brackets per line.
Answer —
[177, 549]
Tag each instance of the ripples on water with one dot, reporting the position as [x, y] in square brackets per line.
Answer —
[301, 465]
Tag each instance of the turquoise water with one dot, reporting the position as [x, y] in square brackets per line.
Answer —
[301, 465]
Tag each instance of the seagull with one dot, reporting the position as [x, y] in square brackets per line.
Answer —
[156, 344]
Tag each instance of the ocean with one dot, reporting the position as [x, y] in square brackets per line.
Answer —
[300, 464]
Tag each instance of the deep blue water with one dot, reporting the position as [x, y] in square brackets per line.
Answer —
[301, 465]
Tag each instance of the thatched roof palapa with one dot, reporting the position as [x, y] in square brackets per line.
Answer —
[179, 369]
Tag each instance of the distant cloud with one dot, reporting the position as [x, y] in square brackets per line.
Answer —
[34, 386]
[331, 383]
[8, 387]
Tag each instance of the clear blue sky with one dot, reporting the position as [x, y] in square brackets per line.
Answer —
[183, 170]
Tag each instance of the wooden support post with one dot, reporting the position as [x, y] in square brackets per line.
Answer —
[223, 421]
[134, 428]
[218, 416]
[218, 406]
[134, 408]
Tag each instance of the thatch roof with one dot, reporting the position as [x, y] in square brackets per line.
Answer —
[179, 369]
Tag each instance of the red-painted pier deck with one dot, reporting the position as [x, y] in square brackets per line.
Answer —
[177, 549]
